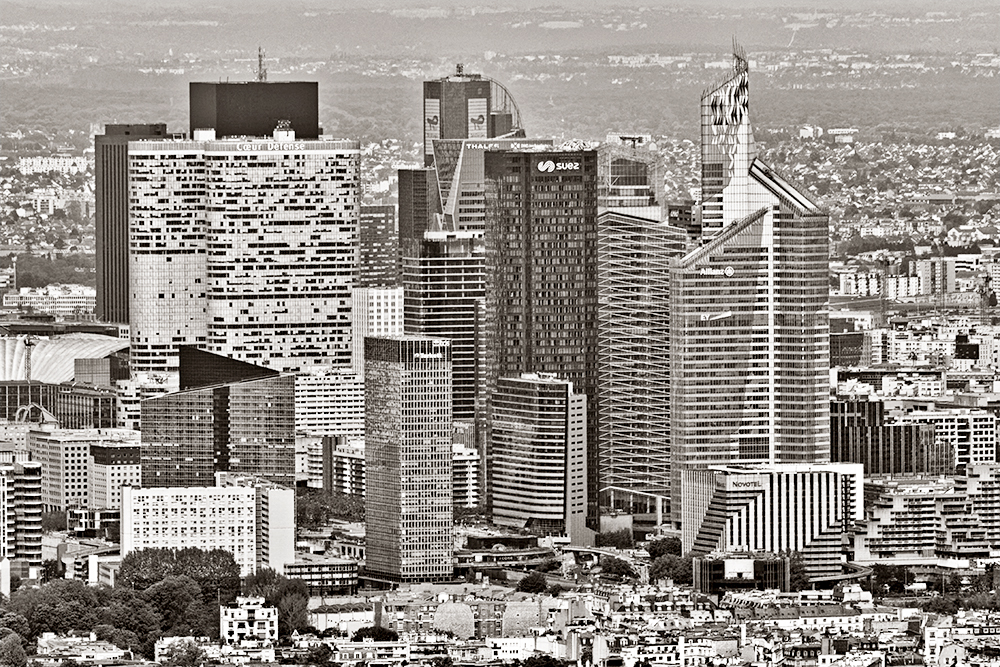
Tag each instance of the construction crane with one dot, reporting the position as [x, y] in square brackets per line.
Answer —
[29, 342]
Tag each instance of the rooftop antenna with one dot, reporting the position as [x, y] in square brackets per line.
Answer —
[261, 67]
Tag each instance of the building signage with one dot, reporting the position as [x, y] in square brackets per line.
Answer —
[728, 272]
[549, 166]
[743, 483]
[273, 146]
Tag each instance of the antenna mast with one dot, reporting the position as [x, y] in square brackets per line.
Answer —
[261, 67]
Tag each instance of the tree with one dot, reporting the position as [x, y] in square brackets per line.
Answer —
[619, 539]
[183, 654]
[533, 583]
[663, 547]
[172, 599]
[12, 652]
[315, 508]
[677, 568]
[616, 567]
[319, 656]
[798, 578]
[549, 565]
[14, 623]
[289, 596]
[215, 571]
[376, 633]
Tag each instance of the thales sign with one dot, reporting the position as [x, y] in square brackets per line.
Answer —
[549, 166]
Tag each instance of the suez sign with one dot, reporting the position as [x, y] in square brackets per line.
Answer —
[550, 166]
[273, 146]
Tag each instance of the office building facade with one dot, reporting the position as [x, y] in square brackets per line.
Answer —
[862, 432]
[805, 508]
[634, 250]
[749, 310]
[444, 297]
[111, 215]
[230, 517]
[375, 311]
[541, 268]
[378, 240]
[408, 433]
[254, 108]
[466, 106]
[65, 456]
[242, 422]
[538, 440]
[246, 247]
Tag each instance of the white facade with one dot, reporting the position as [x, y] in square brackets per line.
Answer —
[255, 524]
[330, 402]
[248, 620]
[465, 467]
[243, 247]
[65, 458]
[110, 470]
[785, 507]
[375, 311]
[972, 433]
[61, 300]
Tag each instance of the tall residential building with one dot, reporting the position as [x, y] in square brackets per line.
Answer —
[466, 106]
[538, 439]
[408, 434]
[634, 250]
[21, 506]
[444, 297]
[244, 247]
[541, 273]
[378, 240]
[111, 215]
[749, 311]
[254, 108]
[228, 416]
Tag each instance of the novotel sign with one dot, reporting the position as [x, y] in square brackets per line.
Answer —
[742, 482]
[550, 166]
[273, 146]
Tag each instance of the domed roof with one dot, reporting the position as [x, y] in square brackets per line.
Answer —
[52, 359]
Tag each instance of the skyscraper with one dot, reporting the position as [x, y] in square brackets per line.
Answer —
[634, 250]
[749, 310]
[541, 250]
[229, 416]
[111, 215]
[244, 247]
[378, 241]
[444, 297]
[538, 438]
[466, 106]
[408, 431]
